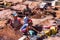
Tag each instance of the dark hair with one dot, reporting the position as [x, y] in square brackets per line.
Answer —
[26, 14]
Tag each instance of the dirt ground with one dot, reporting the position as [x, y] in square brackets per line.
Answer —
[8, 33]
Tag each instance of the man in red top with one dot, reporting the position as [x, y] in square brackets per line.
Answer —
[16, 22]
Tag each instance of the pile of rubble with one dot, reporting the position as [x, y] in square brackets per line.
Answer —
[5, 14]
[7, 33]
[19, 5]
[14, 1]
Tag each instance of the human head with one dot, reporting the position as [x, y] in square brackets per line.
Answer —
[15, 15]
[26, 14]
[27, 6]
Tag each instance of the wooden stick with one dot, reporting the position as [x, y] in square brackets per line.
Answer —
[35, 29]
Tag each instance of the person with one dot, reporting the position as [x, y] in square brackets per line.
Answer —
[25, 28]
[26, 19]
[15, 22]
[27, 10]
[33, 33]
[25, 25]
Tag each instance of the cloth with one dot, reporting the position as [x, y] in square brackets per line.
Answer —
[30, 21]
[15, 23]
[24, 28]
[42, 5]
[46, 27]
[31, 32]
[54, 2]
[26, 19]
[53, 30]
[22, 38]
[53, 27]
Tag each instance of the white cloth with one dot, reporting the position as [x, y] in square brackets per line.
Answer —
[22, 38]
[54, 2]
[42, 4]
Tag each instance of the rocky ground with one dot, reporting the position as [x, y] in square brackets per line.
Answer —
[7, 33]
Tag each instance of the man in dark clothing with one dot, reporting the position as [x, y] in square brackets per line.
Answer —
[27, 10]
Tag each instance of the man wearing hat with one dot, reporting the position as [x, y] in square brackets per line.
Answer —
[15, 22]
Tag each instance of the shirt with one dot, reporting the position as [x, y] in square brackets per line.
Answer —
[26, 19]
[15, 23]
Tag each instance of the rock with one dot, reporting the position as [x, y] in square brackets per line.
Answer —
[4, 14]
[14, 1]
[19, 7]
[33, 5]
[27, 2]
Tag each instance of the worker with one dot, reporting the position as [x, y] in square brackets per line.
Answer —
[15, 22]
[25, 25]
[27, 10]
